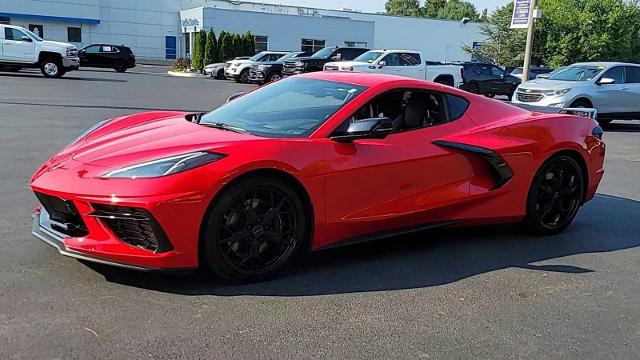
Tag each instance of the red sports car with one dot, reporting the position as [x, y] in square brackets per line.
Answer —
[313, 161]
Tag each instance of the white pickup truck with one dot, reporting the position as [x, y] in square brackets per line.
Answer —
[20, 48]
[405, 63]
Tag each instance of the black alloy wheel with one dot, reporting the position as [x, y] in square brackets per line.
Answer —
[120, 67]
[243, 77]
[220, 74]
[473, 88]
[255, 228]
[274, 76]
[555, 196]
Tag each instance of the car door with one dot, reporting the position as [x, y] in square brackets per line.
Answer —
[18, 46]
[632, 82]
[108, 56]
[89, 55]
[499, 83]
[396, 182]
[612, 98]
[392, 64]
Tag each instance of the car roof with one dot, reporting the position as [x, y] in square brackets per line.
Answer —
[605, 63]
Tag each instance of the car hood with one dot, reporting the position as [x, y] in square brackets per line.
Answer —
[545, 84]
[148, 136]
[57, 44]
[239, 62]
[215, 65]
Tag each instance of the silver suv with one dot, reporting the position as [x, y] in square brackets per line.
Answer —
[611, 88]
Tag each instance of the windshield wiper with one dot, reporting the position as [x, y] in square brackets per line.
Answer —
[223, 126]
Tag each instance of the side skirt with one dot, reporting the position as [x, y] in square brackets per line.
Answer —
[390, 233]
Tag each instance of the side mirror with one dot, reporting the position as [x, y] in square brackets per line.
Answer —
[373, 128]
[542, 76]
[26, 38]
[233, 97]
[606, 81]
[381, 64]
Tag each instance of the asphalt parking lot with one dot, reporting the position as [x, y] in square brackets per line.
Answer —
[487, 293]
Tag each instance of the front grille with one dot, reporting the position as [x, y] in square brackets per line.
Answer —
[134, 226]
[526, 97]
[63, 215]
[291, 67]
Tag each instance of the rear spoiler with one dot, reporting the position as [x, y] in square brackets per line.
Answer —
[581, 112]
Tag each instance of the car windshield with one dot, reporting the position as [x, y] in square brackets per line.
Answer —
[286, 57]
[324, 53]
[577, 73]
[34, 36]
[517, 71]
[293, 107]
[368, 57]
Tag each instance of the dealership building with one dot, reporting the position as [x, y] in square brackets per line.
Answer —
[163, 29]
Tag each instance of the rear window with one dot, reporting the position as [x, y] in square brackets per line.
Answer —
[457, 106]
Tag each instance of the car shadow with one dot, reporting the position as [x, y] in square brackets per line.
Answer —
[424, 259]
[622, 126]
[66, 78]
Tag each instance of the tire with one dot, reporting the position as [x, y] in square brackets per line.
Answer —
[243, 77]
[52, 68]
[120, 67]
[274, 76]
[555, 196]
[581, 104]
[473, 88]
[220, 75]
[254, 230]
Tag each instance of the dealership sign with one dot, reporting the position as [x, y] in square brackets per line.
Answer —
[190, 22]
[521, 13]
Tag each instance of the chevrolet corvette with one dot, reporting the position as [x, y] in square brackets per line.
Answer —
[310, 162]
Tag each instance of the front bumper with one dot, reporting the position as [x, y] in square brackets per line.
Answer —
[71, 63]
[43, 230]
[256, 76]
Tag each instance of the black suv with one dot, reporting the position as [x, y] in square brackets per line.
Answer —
[488, 80]
[272, 71]
[316, 61]
[118, 57]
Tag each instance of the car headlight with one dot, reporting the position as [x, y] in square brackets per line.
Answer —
[165, 166]
[235, 65]
[91, 129]
[72, 52]
[556, 92]
[299, 63]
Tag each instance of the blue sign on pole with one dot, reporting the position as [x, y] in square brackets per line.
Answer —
[521, 13]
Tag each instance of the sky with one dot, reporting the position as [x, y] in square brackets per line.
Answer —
[374, 5]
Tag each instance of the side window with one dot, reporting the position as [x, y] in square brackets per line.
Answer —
[13, 34]
[496, 71]
[108, 49]
[457, 106]
[392, 60]
[348, 54]
[408, 59]
[633, 75]
[91, 49]
[616, 73]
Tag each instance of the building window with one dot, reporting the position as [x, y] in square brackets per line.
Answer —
[262, 43]
[74, 34]
[355, 44]
[5, 20]
[37, 29]
[311, 45]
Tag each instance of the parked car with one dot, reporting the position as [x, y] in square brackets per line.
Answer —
[238, 70]
[488, 80]
[310, 162]
[216, 70]
[272, 71]
[316, 61]
[612, 88]
[21, 48]
[117, 57]
[534, 72]
[405, 63]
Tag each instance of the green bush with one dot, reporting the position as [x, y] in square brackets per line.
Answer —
[200, 43]
[211, 49]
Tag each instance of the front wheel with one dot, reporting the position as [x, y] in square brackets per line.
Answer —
[120, 67]
[254, 230]
[51, 68]
[220, 74]
[555, 196]
[244, 77]
[274, 76]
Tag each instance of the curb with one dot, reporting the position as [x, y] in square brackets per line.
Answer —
[187, 75]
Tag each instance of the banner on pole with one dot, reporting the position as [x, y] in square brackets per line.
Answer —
[521, 13]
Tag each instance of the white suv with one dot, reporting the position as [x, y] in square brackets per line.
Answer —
[20, 48]
[611, 88]
[238, 70]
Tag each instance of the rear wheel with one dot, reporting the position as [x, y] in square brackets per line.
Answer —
[120, 67]
[555, 196]
[473, 88]
[254, 230]
[274, 76]
[52, 68]
[220, 74]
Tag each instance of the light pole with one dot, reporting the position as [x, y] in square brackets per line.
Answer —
[529, 47]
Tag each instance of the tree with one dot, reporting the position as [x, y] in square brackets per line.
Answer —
[458, 10]
[431, 8]
[211, 49]
[199, 46]
[569, 31]
[237, 45]
[249, 44]
[403, 7]
[221, 40]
